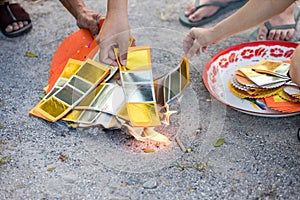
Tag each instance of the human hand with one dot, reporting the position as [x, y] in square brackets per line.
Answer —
[115, 33]
[196, 41]
[89, 19]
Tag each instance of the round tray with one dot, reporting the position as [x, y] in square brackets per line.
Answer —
[221, 68]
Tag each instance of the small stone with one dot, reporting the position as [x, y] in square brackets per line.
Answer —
[70, 178]
[123, 184]
[248, 134]
[150, 184]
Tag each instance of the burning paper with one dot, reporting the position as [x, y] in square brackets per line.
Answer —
[87, 94]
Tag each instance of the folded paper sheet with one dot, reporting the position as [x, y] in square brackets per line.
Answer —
[269, 82]
[100, 107]
[84, 80]
[266, 73]
[137, 81]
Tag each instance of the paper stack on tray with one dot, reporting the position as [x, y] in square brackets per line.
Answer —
[88, 93]
[267, 83]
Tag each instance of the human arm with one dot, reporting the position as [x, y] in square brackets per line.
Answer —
[251, 14]
[85, 17]
[295, 66]
[115, 32]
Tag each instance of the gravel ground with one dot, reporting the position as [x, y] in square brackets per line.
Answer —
[260, 158]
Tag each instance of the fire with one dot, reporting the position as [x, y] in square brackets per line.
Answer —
[156, 136]
[93, 99]
[147, 133]
[167, 114]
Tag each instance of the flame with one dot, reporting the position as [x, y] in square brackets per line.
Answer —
[167, 114]
[148, 133]
[156, 136]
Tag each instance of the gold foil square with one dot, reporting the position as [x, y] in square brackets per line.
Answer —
[143, 114]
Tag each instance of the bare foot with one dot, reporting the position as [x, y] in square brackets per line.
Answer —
[16, 25]
[203, 12]
[285, 18]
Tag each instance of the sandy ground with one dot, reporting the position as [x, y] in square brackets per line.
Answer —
[259, 159]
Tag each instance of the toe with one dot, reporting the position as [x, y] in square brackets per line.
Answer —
[20, 24]
[275, 35]
[284, 36]
[262, 33]
[271, 35]
[9, 28]
[289, 35]
[261, 37]
[15, 26]
[197, 16]
[189, 8]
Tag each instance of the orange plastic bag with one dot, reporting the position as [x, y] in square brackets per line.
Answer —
[77, 46]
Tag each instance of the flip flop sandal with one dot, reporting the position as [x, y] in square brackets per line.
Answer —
[224, 7]
[254, 34]
[11, 13]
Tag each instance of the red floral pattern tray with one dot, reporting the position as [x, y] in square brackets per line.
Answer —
[219, 70]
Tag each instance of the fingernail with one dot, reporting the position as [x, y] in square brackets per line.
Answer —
[123, 62]
[188, 55]
[114, 63]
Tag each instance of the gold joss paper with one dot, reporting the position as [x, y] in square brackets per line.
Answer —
[79, 85]
[88, 94]
[137, 81]
[143, 114]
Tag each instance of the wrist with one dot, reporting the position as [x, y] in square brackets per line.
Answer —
[75, 7]
[117, 8]
[214, 35]
[211, 36]
[80, 10]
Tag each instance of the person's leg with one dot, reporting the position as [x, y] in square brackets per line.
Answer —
[15, 25]
[285, 18]
[204, 11]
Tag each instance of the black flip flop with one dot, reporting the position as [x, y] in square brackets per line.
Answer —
[223, 9]
[253, 35]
